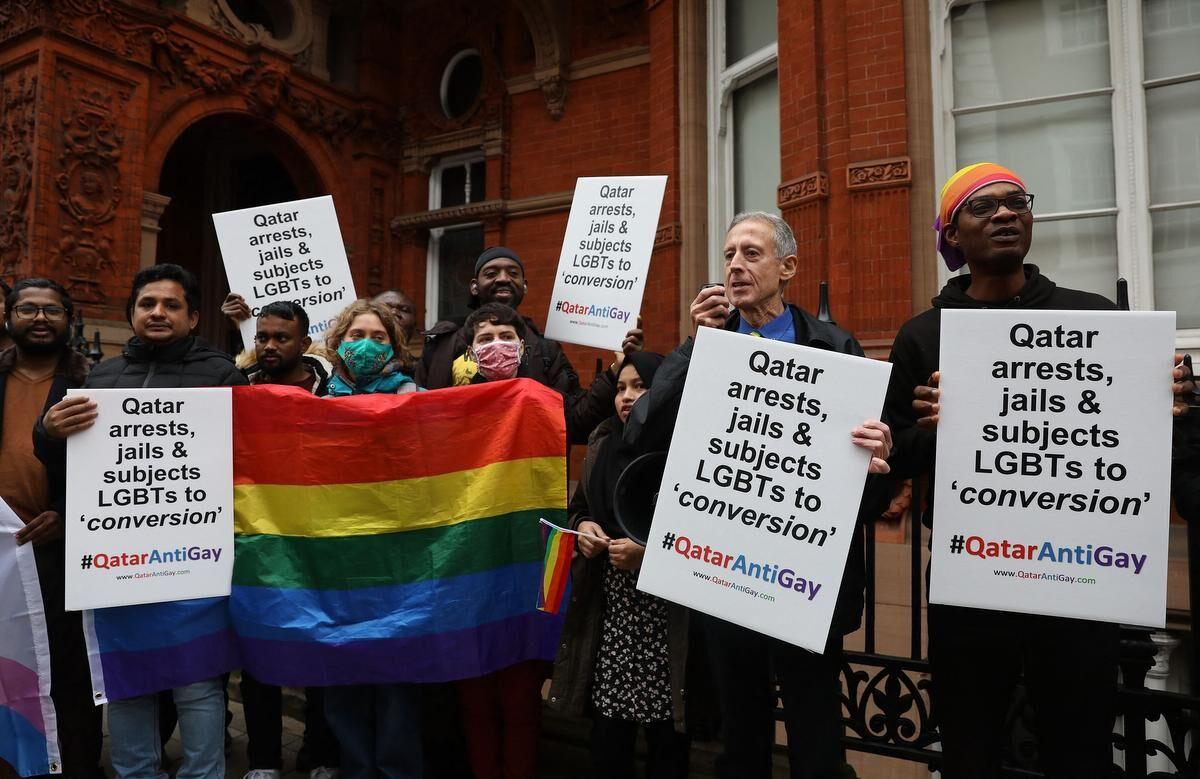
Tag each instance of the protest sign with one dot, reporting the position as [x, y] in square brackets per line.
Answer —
[762, 486]
[605, 258]
[150, 498]
[287, 251]
[1053, 463]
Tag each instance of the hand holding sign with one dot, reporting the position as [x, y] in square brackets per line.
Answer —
[285, 251]
[760, 496]
[1053, 470]
[605, 258]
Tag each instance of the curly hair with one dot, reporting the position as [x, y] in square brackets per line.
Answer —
[337, 332]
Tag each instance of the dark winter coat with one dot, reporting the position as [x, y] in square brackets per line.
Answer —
[571, 685]
[915, 358]
[544, 362]
[652, 421]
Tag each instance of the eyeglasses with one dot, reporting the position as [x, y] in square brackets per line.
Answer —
[984, 207]
[30, 311]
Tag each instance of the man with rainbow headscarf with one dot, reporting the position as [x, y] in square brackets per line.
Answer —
[985, 222]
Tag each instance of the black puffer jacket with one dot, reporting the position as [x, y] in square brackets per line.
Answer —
[652, 422]
[187, 363]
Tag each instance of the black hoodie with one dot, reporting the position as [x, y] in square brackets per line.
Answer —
[915, 357]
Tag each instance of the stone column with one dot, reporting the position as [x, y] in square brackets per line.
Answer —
[153, 205]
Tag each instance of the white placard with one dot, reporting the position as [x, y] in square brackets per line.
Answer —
[287, 251]
[762, 485]
[605, 258]
[1053, 463]
[150, 498]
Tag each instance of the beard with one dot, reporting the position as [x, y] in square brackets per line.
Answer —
[39, 348]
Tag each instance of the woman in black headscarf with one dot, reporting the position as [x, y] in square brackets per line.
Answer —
[623, 653]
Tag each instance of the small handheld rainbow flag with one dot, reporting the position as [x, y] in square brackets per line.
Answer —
[556, 568]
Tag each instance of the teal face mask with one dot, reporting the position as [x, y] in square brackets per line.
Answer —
[365, 358]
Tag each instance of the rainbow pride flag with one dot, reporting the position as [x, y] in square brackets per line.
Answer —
[28, 731]
[386, 538]
[556, 567]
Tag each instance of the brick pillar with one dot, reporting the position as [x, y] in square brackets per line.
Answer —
[660, 307]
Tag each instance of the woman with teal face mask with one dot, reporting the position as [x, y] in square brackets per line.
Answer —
[365, 339]
[378, 726]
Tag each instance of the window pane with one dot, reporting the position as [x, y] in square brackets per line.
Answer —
[749, 25]
[756, 145]
[1176, 280]
[1173, 122]
[1171, 29]
[478, 181]
[1015, 49]
[454, 186]
[1078, 253]
[1063, 151]
[457, 251]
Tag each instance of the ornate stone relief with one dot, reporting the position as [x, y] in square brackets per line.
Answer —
[894, 172]
[88, 180]
[18, 99]
[802, 190]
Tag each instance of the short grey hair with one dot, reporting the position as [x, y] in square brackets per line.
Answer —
[785, 239]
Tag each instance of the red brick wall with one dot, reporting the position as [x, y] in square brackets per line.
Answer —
[842, 113]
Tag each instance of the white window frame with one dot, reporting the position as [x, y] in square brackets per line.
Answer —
[722, 83]
[433, 252]
[1130, 142]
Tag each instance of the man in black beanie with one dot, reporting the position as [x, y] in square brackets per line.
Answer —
[500, 278]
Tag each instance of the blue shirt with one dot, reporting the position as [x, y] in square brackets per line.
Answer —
[781, 328]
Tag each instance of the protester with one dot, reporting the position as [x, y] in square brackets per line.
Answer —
[985, 221]
[405, 311]
[760, 259]
[163, 309]
[281, 343]
[378, 726]
[624, 653]
[500, 278]
[501, 711]
[364, 340]
[35, 373]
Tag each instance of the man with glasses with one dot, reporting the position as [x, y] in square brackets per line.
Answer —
[35, 373]
[985, 222]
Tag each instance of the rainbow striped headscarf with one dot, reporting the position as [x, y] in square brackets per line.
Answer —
[966, 182]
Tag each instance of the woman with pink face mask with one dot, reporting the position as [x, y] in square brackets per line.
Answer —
[501, 711]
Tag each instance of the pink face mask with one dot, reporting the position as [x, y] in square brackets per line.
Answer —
[498, 359]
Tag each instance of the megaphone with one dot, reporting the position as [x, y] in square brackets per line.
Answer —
[636, 493]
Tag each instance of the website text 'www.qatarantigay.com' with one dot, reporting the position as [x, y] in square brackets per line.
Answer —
[761, 580]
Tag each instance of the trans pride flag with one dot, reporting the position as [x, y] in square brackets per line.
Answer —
[28, 729]
[394, 539]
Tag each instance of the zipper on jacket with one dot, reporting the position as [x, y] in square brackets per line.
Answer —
[150, 374]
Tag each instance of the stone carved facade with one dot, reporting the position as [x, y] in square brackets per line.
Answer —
[88, 181]
[18, 100]
[802, 190]
[875, 174]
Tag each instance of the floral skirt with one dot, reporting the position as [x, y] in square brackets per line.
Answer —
[632, 676]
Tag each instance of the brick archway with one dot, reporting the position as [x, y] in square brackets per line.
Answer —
[217, 156]
[173, 125]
